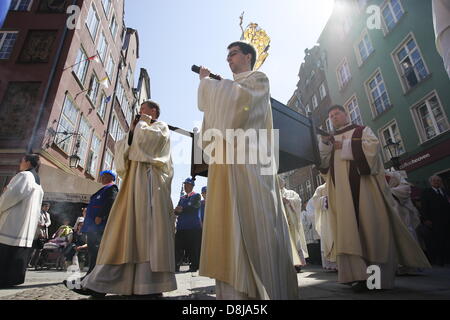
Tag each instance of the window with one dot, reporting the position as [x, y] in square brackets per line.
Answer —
[85, 132]
[314, 102]
[106, 6]
[308, 189]
[410, 63]
[103, 104]
[120, 93]
[38, 46]
[391, 134]
[81, 66]
[92, 22]
[113, 27]
[117, 133]
[93, 89]
[16, 107]
[130, 77]
[107, 164]
[125, 107]
[378, 95]
[365, 48]
[128, 110]
[114, 126]
[67, 124]
[392, 13]
[93, 156]
[7, 41]
[301, 192]
[308, 108]
[120, 133]
[430, 118]
[322, 91]
[319, 180]
[354, 112]
[102, 47]
[111, 65]
[344, 75]
[20, 5]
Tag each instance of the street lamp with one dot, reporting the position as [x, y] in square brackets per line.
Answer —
[394, 152]
[74, 160]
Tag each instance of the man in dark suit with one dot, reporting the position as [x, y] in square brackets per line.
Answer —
[436, 214]
[97, 214]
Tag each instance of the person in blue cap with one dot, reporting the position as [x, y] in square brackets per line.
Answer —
[97, 214]
[188, 236]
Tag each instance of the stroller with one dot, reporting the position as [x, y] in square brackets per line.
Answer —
[52, 255]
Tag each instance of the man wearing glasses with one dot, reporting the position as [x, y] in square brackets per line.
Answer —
[245, 245]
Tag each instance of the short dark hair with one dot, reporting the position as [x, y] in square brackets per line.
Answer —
[45, 204]
[153, 105]
[34, 160]
[337, 107]
[246, 48]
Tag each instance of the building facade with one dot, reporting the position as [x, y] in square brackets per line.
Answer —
[381, 63]
[311, 98]
[66, 90]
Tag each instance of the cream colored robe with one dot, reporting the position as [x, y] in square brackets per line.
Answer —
[293, 213]
[381, 237]
[401, 189]
[246, 241]
[322, 219]
[136, 255]
[441, 15]
[20, 206]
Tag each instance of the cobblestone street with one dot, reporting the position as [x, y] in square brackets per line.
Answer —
[314, 284]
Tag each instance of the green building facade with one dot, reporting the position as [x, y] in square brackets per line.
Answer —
[383, 66]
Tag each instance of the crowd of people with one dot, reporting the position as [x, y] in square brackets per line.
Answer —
[251, 235]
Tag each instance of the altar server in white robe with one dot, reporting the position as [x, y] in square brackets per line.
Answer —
[246, 245]
[293, 206]
[136, 255]
[322, 217]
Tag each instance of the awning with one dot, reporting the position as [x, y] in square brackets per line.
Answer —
[64, 187]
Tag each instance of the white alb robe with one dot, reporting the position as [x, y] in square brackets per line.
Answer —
[401, 190]
[293, 213]
[319, 202]
[136, 255]
[246, 241]
[20, 206]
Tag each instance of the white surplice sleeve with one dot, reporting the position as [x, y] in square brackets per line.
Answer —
[19, 188]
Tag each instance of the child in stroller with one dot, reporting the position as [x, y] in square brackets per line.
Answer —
[52, 255]
[76, 251]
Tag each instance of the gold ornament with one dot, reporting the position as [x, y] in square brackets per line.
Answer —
[259, 39]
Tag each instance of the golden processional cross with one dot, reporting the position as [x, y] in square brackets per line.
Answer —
[258, 38]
